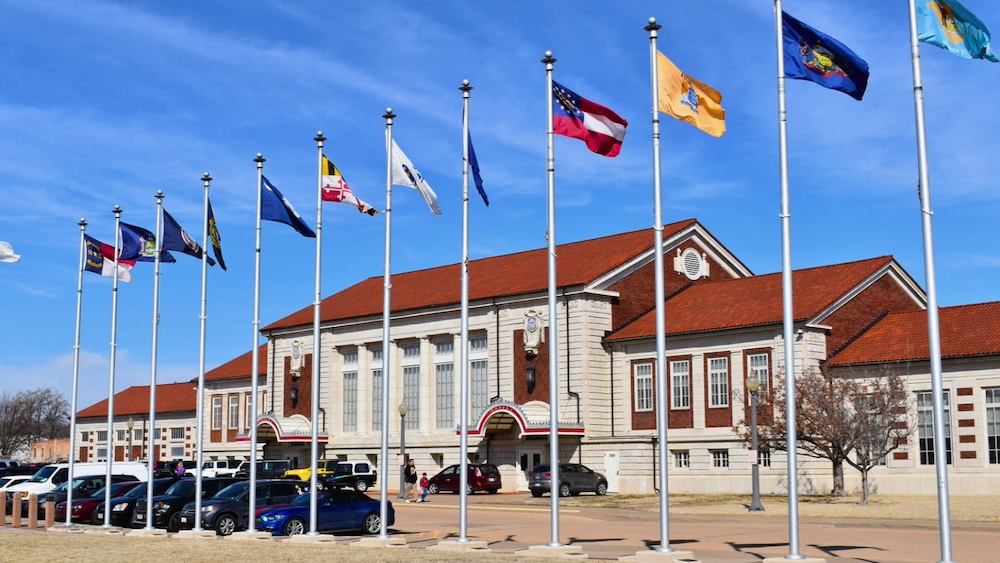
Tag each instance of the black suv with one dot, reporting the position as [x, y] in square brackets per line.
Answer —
[123, 506]
[266, 469]
[228, 511]
[167, 507]
[359, 476]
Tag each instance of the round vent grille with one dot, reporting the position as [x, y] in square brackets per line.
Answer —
[692, 264]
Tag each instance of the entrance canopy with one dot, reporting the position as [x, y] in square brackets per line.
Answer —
[295, 428]
[531, 419]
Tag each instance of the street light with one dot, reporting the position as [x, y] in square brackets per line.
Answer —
[402, 450]
[130, 425]
[753, 386]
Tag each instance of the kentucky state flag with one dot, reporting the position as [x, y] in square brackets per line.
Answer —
[176, 238]
[812, 55]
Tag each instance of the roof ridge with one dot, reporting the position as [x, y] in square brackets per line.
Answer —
[861, 332]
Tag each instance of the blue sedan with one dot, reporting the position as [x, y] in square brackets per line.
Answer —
[337, 510]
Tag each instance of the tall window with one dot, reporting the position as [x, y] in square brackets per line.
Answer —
[234, 411]
[993, 425]
[925, 427]
[247, 418]
[477, 344]
[120, 435]
[377, 400]
[718, 382]
[411, 394]
[680, 377]
[644, 387]
[443, 348]
[444, 391]
[759, 367]
[350, 401]
[479, 370]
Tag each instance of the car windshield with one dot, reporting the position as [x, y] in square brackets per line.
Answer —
[181, 488]
[233, 492]
[42, 474]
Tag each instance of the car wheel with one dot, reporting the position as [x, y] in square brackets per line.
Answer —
[602, 488]
[295, 527]
[536, 494]
[225, 525]
[564, 490]
[174, 523]
[361, 486]
[433, 488]
[373, 523]
[494, 491]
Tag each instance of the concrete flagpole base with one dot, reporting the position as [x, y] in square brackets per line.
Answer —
[393, 542]
[456, 545]
[64, 529]
[554, 551]
[250, 536]
[196, 535]
[306, 538]
[144, 533]
[786, 560]
[653, 556]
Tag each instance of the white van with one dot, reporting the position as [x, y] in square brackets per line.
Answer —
[51, 476]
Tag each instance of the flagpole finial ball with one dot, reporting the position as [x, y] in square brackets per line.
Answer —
[465, 82]
[652, 21]
[388, 110]
[159, 193]
[259, 155]
[319, 133]
[548, 54]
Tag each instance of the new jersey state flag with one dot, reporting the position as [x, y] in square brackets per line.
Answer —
[335, 188]
[687, 99]
[947, 24]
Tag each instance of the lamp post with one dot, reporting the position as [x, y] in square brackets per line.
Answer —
[402, 450]
[130, 425]
[753, 386]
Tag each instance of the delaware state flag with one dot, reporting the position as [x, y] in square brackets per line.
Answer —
[572, 116]
[947, 24]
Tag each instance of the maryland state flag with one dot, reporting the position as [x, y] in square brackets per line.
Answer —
[335, 188]
[689, 100]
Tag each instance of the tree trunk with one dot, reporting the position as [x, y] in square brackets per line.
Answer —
[864, 486]
[838, 479]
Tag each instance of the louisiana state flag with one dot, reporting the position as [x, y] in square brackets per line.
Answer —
[947, 24]
[812, 55]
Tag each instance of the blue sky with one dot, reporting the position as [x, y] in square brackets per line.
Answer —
[104, 103]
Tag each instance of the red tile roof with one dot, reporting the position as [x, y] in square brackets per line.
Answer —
[966, 330]
[170, 398]
[752, 301]
[512, 274]
[240, 367]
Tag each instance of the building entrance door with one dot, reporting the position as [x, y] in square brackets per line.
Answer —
[527, 459]
[611, 470]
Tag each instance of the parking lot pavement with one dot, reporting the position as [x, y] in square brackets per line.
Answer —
[610, 533]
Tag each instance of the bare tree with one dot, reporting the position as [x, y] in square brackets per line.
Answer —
[835, 416]
[30, 416]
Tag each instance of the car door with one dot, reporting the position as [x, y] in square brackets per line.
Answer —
[449, 480]
[335, 513]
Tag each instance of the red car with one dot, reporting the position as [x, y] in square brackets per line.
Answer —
[482, 477]
[84, 507]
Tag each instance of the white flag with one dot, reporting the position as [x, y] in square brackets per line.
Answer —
[404, 174]
[7, 253]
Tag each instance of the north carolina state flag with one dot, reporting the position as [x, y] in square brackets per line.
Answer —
[335, 188]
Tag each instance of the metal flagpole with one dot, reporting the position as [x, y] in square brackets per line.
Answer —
[314, 443]
[206, 181]
[386, 357]
[255, 363]
[111, 377]
[933, 330]
[553, 310]
[786, 294]
[152, 369]
[463, 512]
[76, 367]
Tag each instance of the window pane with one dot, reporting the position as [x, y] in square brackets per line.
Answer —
[444, 386]
[478, 373]
[644, 387]
[718, 375]
[411, 395]
[376, 400]
[351, 401]
[681, 384]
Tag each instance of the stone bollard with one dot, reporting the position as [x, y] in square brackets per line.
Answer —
[50, 512]
[32, 510]
[3, 509]
[15, 511]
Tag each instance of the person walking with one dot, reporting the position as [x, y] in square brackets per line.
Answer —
[424, 488]
[411, 481]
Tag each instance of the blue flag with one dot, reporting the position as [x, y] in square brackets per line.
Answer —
[813, 55]
[140, 245]
[474, 165]
[213, 233]
[947, 24]
[274, 207]
[176, 238]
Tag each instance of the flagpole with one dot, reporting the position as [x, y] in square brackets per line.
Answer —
[314, 443]
[386, 357]
[933, 328]
[206, 181]
[463, 512]
[255, 363]
[152, 369]
[786, 294]
[76, 367]
[553, 312]
[111, 377]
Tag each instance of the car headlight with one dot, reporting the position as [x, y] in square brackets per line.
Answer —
[272, 518]
[207, 508]
[120, 508]
[161, 506]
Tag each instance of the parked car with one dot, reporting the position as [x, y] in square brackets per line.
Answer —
[83, 508]
[336, 510]
[167, 507]
[228, 511]
[324, 468]
[83, 487]
[266, 469]
[11, 480]
[482, 477]
[219, 468]
[359, 476]
[123, 506]
[8, 464]
[574, 479]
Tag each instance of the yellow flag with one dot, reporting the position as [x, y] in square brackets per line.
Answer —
[689, 100]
